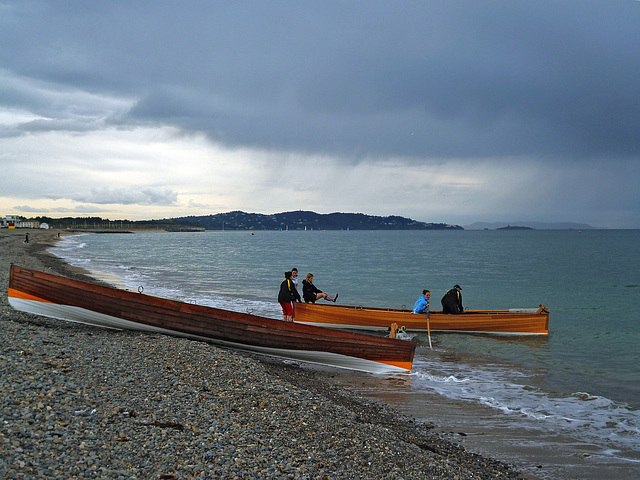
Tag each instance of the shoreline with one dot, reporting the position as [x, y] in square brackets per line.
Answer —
[153, 406]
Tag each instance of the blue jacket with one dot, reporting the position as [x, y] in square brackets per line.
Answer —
[421, 305]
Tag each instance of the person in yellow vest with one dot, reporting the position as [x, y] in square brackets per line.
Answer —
[287, 295]
[452, 301]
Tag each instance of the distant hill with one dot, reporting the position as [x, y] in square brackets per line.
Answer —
[514, 227]
[532, 225]
[303, 220]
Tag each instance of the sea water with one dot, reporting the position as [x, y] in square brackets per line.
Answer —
[562, 406]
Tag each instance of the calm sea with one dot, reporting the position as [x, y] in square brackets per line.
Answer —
[564, 406]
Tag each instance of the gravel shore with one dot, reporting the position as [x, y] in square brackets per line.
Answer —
[79, 402]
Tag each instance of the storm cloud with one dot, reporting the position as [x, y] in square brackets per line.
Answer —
[312, 105]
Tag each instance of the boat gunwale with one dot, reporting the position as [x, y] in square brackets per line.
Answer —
[360, 308]
[499, 322]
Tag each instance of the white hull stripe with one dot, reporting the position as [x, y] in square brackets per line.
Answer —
[88, 317]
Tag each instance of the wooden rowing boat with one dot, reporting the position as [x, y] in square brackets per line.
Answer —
[530, 321]
[63, 298]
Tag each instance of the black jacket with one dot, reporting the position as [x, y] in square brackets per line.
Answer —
[452, 301]
[309, 292]
[288, 292]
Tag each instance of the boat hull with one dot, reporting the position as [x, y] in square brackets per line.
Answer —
[500, 322]
[67, 299]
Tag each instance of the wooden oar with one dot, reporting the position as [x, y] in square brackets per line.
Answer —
[429, 328]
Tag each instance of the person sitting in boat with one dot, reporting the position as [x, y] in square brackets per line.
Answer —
[311, 293]
[287, 295]
[452, 301]
[422, 303]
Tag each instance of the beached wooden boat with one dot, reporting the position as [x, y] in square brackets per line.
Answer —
[521, 321]
[63, 298]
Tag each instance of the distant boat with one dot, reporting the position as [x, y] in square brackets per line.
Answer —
[63, 298]
[516, 321]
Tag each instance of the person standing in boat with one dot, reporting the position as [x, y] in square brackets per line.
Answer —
[422, 303]
[287, 295]
[294, 277]
[452, 301]
[311, 293]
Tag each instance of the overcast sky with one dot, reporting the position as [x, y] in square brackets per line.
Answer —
[442, 111]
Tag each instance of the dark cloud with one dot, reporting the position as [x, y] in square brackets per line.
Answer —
[78, 210]
[129, 196]
[526, 109]
[365, 79]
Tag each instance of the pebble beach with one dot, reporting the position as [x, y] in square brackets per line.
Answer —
[80, 402]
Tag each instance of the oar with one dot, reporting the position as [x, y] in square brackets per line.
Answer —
[429, 328]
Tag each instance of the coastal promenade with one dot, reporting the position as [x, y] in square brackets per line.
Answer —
[78, 402]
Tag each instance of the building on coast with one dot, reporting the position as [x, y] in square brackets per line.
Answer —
[14, 221]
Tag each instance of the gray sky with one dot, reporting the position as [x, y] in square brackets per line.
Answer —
[442, 111]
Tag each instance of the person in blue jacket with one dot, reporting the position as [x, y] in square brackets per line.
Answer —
[422, 303]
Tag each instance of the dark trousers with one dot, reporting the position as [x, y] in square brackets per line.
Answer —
[450, 308]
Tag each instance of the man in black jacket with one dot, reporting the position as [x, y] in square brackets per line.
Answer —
[286, 296]
[452, 301]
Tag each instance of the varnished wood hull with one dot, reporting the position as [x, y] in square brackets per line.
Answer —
[503, 322]
[63, 298]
